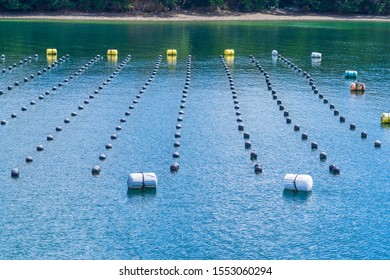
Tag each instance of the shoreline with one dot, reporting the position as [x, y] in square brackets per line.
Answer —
[192, 16]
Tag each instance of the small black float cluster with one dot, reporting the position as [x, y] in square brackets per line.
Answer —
[96, 168]
[304, 136]
[176, 155]
[21, 62]
[39, 148]
[332, 107]
[80, 71]
[31, 76]
[246, 136]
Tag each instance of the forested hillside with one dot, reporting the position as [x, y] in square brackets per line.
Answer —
[374, 7]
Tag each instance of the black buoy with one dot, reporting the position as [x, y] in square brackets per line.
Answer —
[96, 170]
[176, 155]
[118, 127]
[3, 122]
[246, 135]
[288, 120]
[177, 135]
[29, 159]
[296, 127]
[49, 137]
[122, 120]
[334, 169]
[363, 135]
[15, 173]
[323, 156]
[336, 112]
[240, 127]
[13, 115]
[248, 144]
[108, 146]
[102, 157]
[258, 168]
[176, 144]
[331, 106]
[304, 136]
[40, 148]
[314, 145]
[24, 108]
[352, 126]
[114, 136]
[58, 128]
[286, 113]
[377, 144]
[174, 167]
[66, 120]
[253, 155]
[342, 119]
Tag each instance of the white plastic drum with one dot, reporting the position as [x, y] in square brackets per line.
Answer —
[298, 182]
[141, 181]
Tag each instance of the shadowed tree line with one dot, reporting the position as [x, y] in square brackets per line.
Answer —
[374, 7]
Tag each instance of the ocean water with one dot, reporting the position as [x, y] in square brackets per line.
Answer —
[215, 206]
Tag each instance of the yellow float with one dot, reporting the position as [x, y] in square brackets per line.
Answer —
[385, 118]
[171, 52]
[51, 51]
[112, 52]
[228, 52]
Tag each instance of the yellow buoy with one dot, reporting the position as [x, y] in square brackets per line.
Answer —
[229, 59]
[51, 58]
[112, 52]
[112, 58]
[228, 52]
[357, 87]
[51, 51]
[171, 59]
[172, 52]
[385, 118]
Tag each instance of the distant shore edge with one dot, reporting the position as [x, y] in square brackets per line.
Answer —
[193, 16]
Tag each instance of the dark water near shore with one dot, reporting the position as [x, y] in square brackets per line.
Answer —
[215, 207]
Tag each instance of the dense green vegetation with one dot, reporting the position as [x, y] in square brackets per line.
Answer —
[377, 7]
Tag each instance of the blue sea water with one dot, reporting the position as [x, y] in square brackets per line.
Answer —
[215, 206]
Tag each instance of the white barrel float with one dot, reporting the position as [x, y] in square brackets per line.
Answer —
[112, 52]
[385, 118]
[274, 53]
[316, 55]
[228, 52]
[141, 181]
[171, 52]
[350, 74]
[51, 51]
[298, 182]
[357, 87]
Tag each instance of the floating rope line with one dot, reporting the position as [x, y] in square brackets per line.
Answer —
[21, 63]
[40, 147]
[176, 155]
[336, 112]
[247, 144]
[286, 114]
[41, 97]
[96, 168]
[32, 76]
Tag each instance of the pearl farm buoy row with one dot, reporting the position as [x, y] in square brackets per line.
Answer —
[293, 182]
